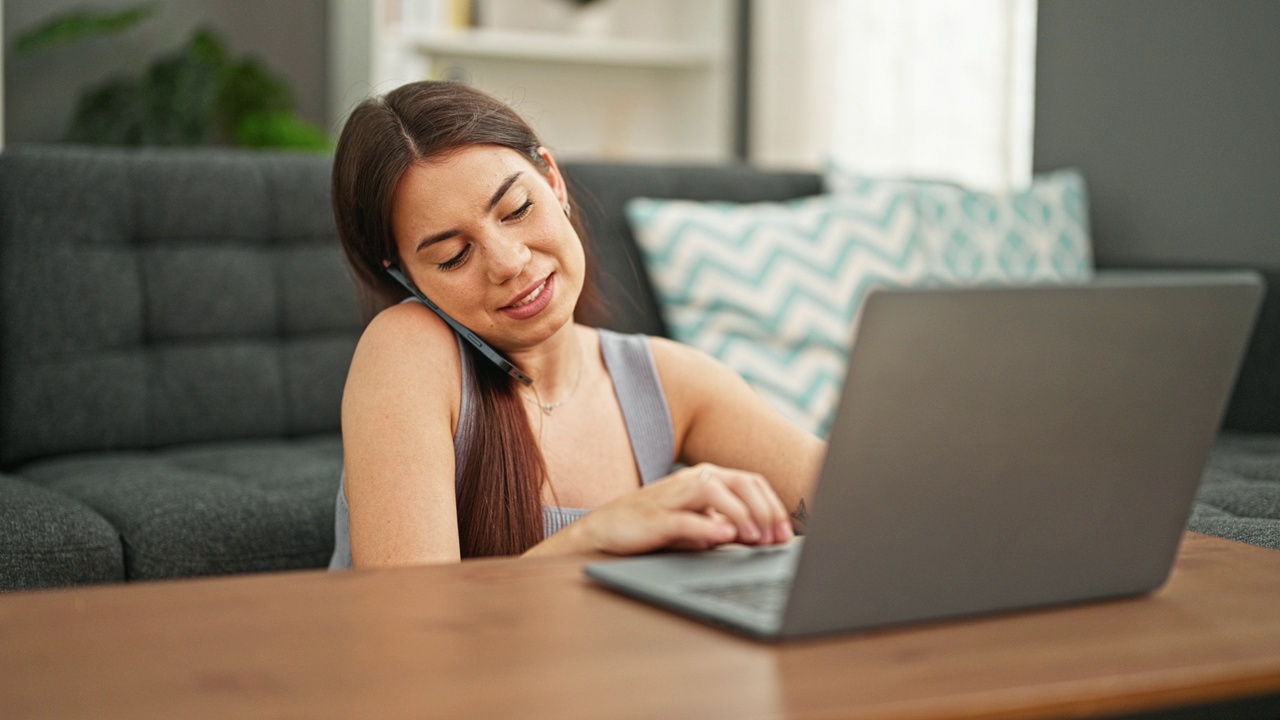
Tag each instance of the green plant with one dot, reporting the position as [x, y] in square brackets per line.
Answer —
[194, 95]
[77, 24]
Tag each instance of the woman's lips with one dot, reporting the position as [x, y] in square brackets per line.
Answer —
[533, 302]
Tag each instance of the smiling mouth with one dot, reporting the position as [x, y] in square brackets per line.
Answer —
[542, 286]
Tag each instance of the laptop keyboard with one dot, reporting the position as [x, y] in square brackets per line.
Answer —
[768, 596]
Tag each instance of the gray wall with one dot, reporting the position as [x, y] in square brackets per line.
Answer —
[40, 90]
[1172, 109]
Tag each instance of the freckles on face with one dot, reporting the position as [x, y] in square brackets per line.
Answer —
[481, 228]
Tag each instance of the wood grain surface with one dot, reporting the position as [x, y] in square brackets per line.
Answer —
[534, 638]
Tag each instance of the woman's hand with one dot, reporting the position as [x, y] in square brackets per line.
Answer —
[694, 508]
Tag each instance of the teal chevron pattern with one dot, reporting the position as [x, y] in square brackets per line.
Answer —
[773, 289]
[1038, 234]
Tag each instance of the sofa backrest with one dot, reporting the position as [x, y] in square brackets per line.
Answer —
[151, 298]
[157, 297]
[602, 189]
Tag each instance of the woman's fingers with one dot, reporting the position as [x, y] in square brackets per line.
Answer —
[768, 506]
[745, 498]
[714, 493]
[696, 508]
[764, 503]
[645, 521]
[696, 531]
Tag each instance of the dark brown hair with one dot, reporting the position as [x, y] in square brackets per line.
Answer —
[499, 491]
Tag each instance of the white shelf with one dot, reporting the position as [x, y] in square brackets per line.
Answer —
[554, 48]
[645, 80]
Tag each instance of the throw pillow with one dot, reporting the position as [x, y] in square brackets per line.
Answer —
[772, 289]
[1038, 234]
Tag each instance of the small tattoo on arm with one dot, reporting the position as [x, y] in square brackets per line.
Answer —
[800, 516]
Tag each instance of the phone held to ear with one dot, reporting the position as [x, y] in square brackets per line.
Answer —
[484, 347]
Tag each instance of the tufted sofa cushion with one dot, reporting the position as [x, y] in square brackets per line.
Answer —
[209, 508]
[176, 325]
[161, 297]
[1240, 494]
[49, 539]
[175, 331]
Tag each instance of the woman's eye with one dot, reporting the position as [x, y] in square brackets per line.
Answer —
[456, 260]
[521, 211]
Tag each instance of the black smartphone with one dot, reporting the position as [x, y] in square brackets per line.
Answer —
[484, 347]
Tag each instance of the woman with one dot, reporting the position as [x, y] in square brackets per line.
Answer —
[446, 456]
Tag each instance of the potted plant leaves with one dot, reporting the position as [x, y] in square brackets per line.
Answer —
[196, 94]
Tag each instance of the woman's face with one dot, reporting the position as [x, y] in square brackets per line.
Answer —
[484, 234]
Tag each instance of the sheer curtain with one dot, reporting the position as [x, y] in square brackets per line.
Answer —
[922, 88]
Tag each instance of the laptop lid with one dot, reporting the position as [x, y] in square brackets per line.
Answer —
[997, 448]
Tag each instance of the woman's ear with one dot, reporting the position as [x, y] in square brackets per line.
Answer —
[554, 178]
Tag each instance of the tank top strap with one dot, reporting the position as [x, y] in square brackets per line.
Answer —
[644, 404]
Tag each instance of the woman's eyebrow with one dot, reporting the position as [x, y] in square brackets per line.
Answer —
[504, 187]
[497, 195]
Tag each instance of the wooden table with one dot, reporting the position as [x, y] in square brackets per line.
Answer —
[506, 638]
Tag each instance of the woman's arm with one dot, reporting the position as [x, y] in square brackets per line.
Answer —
[750, 472]
[399, 410]
[720, 419]
[695, 508]
[398, 422]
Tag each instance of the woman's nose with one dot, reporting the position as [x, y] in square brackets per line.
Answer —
[507, 258]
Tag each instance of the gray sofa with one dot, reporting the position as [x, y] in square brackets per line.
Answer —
[175, 327]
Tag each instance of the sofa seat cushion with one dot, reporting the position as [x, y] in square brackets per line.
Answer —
[1240, 496]
[210, 508]
[48, 539]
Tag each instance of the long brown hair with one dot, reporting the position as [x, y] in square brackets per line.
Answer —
[501, 478]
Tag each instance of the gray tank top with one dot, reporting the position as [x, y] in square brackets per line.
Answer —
[644, 409]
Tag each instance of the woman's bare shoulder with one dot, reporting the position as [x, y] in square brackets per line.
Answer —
[399, 415]
[408, 331]
[406, 349]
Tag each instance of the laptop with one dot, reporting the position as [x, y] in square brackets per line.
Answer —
[994, 449]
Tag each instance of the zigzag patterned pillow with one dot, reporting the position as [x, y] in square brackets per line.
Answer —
[772, 289]
[1039, 234]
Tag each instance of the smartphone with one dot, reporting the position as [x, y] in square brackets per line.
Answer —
[484, 347]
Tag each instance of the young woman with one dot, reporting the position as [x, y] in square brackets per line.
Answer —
[446, 455]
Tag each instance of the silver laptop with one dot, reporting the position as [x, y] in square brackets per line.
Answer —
[994, 449]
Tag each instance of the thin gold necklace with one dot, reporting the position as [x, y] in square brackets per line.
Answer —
[550, 407]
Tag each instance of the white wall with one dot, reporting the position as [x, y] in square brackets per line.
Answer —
[922, 88]
[652, 81]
